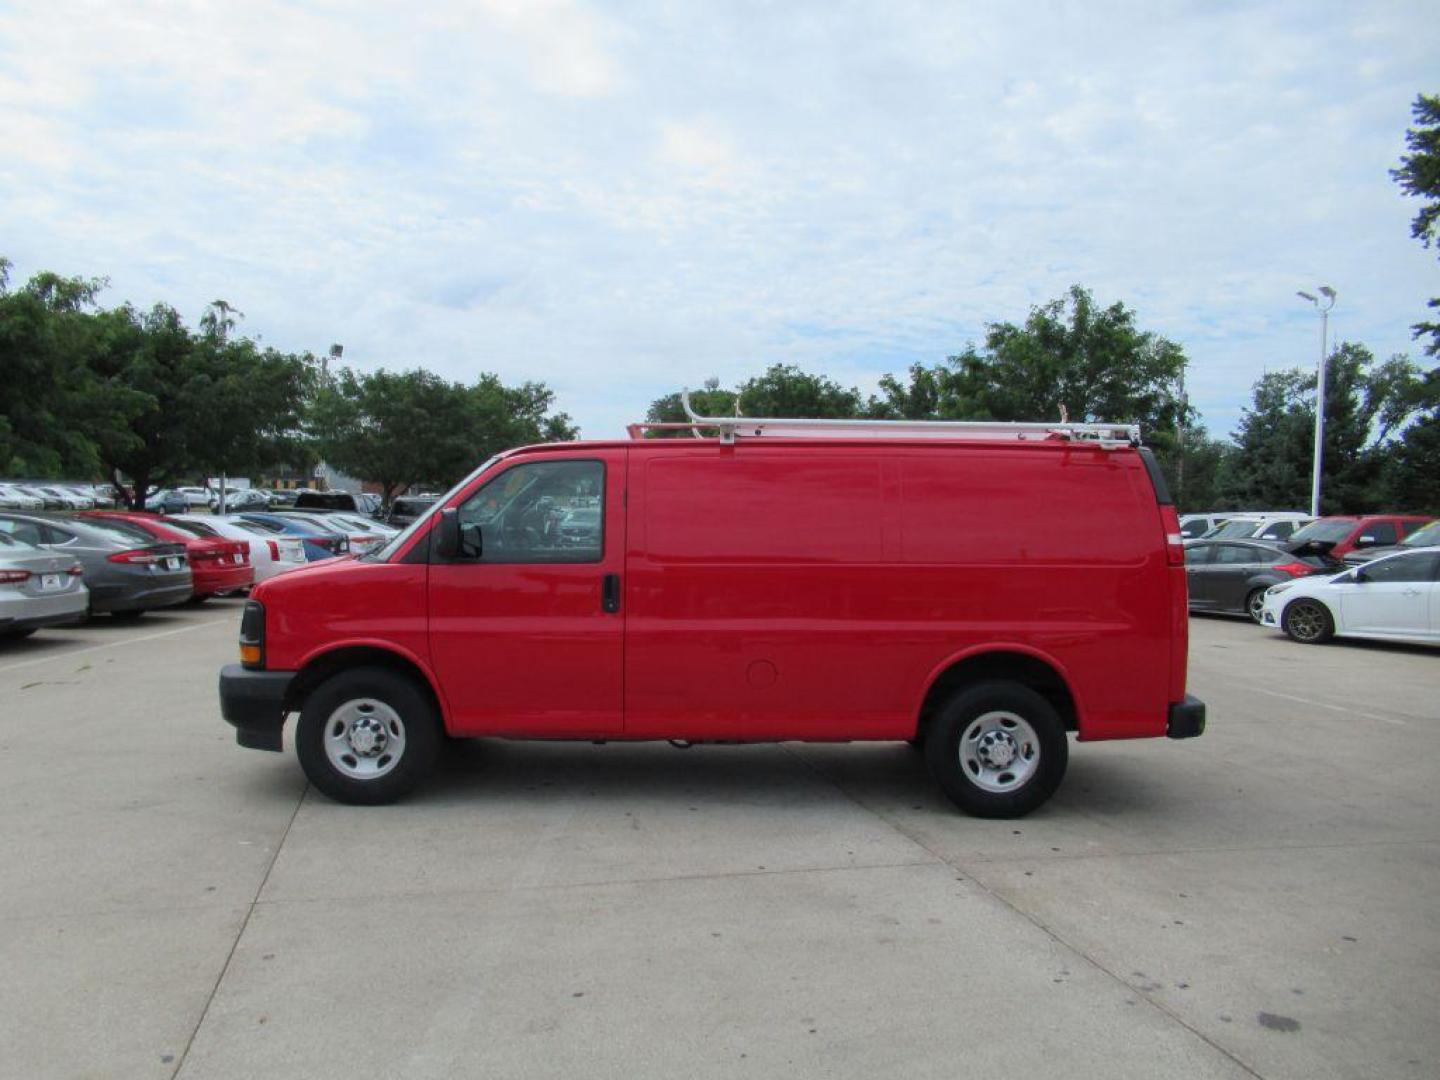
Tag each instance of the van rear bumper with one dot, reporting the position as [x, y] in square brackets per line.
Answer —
[1186, 719]
[253, 703]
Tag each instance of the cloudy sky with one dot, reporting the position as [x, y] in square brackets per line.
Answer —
[622, 199]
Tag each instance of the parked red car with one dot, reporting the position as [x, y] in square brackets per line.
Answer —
[1337, 536]
[220, 566]
[824, 581]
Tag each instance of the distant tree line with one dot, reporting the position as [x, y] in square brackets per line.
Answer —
[140, 399]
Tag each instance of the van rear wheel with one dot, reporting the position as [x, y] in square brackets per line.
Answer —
[367, 736]
[997, 749]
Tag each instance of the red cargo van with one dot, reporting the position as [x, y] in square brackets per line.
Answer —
[785, 580]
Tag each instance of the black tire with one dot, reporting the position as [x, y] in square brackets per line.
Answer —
[16, 635]
[1308, 621]
[127, 616]
[989, 711]
[1255, 603]
[324, 716]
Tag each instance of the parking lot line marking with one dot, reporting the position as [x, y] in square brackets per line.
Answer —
[114, 644]
[1325, 705]
[234, 945]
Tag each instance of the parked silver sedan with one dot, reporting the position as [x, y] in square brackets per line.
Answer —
[126, 570]
[38, 588]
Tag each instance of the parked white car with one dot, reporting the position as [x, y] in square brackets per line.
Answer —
[71, 500]
[1396, 598]
[269, 554]
[12, 498]
[1194, 526]
[1277, 526]
[195, 497]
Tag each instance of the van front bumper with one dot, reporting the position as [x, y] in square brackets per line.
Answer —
[253, 703]
[1187, 718]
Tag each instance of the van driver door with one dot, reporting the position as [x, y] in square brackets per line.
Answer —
[527, 632]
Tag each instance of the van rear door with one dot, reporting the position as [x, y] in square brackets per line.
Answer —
[527, 634]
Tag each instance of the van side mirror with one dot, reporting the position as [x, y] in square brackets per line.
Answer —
[1360, 576]
[447, 534]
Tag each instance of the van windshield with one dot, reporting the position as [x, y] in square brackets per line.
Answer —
[385, 551]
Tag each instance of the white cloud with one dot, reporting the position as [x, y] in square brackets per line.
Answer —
[621, 200]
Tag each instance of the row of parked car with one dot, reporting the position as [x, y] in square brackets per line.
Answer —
[1373, 576]
[59, 568]
[29, 495]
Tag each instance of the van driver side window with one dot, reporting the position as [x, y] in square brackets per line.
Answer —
[540, 512]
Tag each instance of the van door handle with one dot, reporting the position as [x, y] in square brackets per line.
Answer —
[610, 593]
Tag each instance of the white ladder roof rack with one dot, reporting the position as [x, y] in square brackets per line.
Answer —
[1107, 436]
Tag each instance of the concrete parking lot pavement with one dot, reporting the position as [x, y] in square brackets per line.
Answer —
[1256, 902]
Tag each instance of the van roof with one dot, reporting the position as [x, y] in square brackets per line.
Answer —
[770, 443]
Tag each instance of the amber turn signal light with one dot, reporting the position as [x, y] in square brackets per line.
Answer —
[250, 654]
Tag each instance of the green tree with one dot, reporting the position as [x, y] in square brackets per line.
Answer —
[51, 403]
[1070, 358]
[250, 402]
[150, 355]
[785, 390]
[404, 428]
[1419, 177]
[1198, 477]
[1370, 412]
[1412, 469]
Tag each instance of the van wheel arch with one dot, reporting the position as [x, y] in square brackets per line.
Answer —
[322, 667]
[998, 665]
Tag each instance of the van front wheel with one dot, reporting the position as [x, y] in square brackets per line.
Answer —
[367, 736]
[998, 749]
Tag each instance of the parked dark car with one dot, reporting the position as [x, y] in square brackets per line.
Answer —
[166, 502]
[241, 499]
[1231, 576]
[125, 575]
[407, 508]
[1428, 536]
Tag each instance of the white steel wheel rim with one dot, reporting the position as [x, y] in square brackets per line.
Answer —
[364, 739]
[999, 752]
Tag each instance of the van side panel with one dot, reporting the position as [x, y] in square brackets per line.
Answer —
[1057, 549]
[813, 591]
[754, 581]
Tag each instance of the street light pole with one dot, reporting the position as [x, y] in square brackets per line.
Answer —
[1324, 310]
[1180, 456]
